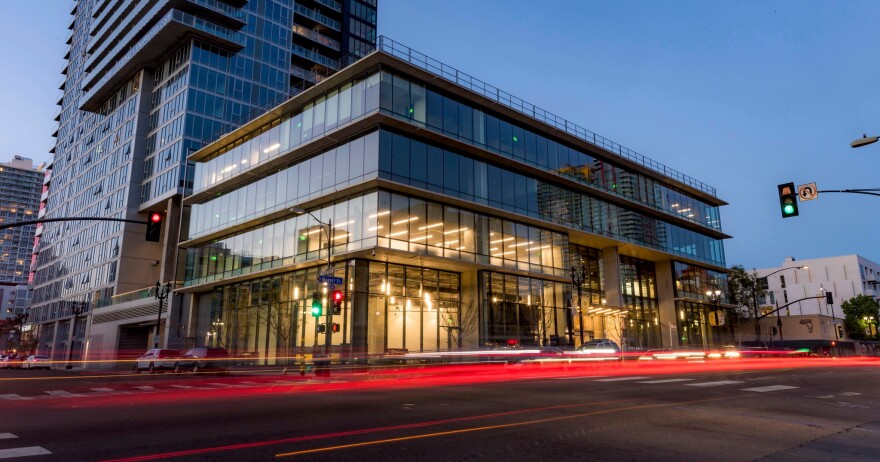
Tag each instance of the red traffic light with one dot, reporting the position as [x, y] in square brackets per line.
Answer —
[334, 327]
[154, 227]
[337, 296]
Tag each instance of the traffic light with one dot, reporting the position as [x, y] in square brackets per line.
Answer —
[829, 299]
[154, 227]
[775, 330]
[788, 200]
[334, 327]
[338, 297]
[840, 332]
[322, 328]
[317, 306]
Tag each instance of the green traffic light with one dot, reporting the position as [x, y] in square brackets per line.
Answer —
[317, 308]
[788, 209]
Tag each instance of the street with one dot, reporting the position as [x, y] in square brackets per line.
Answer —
[813, 409]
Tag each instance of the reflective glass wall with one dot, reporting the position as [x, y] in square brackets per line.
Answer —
[381, 219]
[640, 328]
[429, 167]
[346, 165]
[698, 324]
[416, 103]
[523, 311]
[335, 108]
[413, 309]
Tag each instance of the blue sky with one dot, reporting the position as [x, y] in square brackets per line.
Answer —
[742, 95]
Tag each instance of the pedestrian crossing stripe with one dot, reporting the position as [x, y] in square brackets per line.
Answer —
[23, 452]
[713, 384]
[6, 436]
[13, 396]
[769, 388]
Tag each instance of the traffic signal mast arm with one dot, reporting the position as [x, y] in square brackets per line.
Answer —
[787, 305]
[48, 220]
[868, 191]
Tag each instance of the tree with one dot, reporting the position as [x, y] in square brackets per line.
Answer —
[860, 313]
[744, 289]
[458, 329]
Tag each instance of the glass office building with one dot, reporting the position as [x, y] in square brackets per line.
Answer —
[453, 215]
[146, 83]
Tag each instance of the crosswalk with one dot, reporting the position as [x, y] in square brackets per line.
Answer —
[9, 439]
[680, 380]
[106, 391]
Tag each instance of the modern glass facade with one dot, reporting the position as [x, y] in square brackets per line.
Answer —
[453, 225]
[694, 309]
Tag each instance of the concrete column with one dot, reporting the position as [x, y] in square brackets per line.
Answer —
[360, 310]
[613, 295]
[470, 311]
[668, 319]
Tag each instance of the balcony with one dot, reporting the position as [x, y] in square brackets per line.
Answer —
[174, 27]
[315, 36]
[333, 5]
[317, 17]
[315, 57]
[304, 74]
[221, 13]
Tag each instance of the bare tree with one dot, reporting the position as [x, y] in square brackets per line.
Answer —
[456, 329]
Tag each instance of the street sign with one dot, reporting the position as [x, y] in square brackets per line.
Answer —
[330, 279]
[808, 192]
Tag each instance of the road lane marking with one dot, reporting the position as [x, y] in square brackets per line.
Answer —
[13, 396]
[850, 393]
[182, 386]
[618, 379]
[667, 381]
[769, 388]
[103, 390]
[714, 384]
[62, 393]
[146, 387]
[6, 436]
[23, 452]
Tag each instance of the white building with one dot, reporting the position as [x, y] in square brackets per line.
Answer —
[811, 322]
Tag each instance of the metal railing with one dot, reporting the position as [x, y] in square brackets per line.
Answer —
[475, 85]
[317, 16]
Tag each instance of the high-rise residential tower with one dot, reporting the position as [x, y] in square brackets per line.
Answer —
[20, 187]
[145, 84]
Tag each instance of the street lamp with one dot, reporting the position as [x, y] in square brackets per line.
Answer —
[161, 292]
[77, 310]
[328, 232]
[863, 141]
[714, 296]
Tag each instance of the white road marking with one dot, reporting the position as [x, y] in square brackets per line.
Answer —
[618, 379]
[713, 384]
[769, 388]
[580, 378]
[13, 396]
[667, 381]
[146, 387]
[182, 386]
[850, 393]
[6, 436]
[104, 390]
[63, 393]
[23, 452]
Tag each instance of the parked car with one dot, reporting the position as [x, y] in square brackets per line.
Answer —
[202, 359]
[12, 361]
[599, 350]
[155, 360]
[37, 362]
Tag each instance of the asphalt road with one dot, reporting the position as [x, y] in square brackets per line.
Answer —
[773, 411]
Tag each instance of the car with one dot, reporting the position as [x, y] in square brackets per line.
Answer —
[726, 352]
[200, 359]
[12, 361]
[156, 360]
[599, 350]
[37, 362]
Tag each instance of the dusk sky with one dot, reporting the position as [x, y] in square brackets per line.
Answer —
[741, 95]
